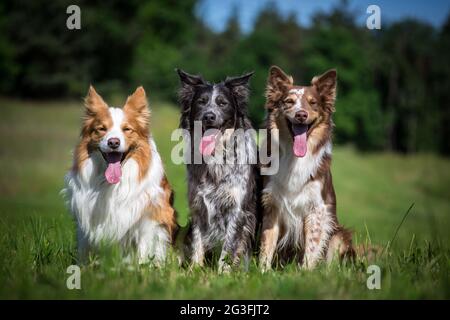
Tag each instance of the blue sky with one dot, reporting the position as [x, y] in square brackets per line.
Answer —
[216, 12]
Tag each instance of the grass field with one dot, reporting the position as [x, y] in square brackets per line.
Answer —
[37, 241]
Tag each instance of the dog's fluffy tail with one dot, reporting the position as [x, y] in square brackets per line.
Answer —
[341, 246]
[368, 252]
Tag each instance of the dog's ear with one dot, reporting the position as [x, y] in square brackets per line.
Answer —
[94, 103]
[189, 79]
[278, 76]
[239, 87]
[137, 106]
[186, 93]
[277, 83]
[187, 89]
[325, 85]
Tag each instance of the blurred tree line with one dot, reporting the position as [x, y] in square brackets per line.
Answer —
[393, 89]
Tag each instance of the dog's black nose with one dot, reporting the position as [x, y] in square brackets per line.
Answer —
[209, 117]
[113, 143]
[301, 115]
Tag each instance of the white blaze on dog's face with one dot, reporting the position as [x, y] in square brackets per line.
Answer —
[114, 139]
[297, 95]
[115, 131]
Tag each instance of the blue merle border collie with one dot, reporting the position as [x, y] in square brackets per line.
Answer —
[222, 193]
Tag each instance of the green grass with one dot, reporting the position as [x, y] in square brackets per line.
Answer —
[37, 241]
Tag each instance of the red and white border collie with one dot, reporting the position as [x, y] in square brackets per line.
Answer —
[299, 202]
[117, 189]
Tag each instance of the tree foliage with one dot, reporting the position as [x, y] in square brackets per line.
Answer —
[393, 84]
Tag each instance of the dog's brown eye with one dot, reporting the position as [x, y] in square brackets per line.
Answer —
[127, 129]
[289, 101]
[101, 129]
[312, 102]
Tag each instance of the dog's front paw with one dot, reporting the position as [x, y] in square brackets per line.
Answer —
[265, 269]
[264, 265]
[224, 268]
[309, 264]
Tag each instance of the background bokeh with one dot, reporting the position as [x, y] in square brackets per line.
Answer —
[393, 82]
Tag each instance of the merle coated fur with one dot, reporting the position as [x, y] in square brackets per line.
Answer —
[223, 198]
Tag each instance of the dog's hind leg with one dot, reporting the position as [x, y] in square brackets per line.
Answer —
[269, 237]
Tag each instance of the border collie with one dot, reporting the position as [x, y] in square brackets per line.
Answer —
[222, 193]
[117, 190]
[299, 202]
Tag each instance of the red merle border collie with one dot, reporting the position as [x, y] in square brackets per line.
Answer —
[299, 202]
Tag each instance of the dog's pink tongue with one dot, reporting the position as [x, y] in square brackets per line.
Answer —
[208, 144]
[113, 172]
[300, 144]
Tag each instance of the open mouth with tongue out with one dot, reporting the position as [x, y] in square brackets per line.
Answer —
[208, 142]
[113, 171]
[299, 133]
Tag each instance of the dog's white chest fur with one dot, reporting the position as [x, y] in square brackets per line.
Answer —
[292, 182]
[106, 212]
[295, 194]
